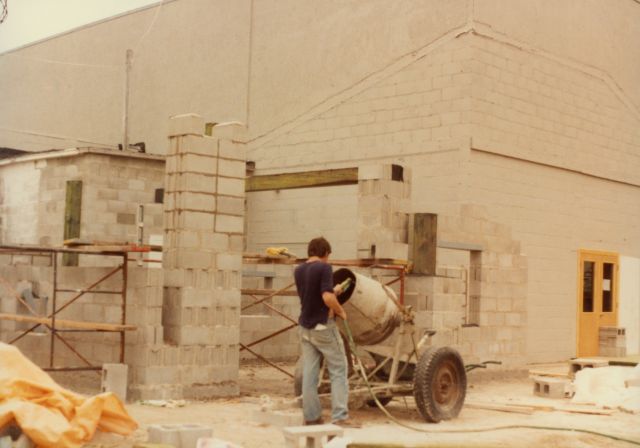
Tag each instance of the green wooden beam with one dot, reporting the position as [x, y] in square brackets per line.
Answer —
[303, 179]
[423, 242]
[72, 215]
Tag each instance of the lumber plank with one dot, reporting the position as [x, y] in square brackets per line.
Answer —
[266, 292]
[423, 241]
[550, 374]
[498, 407]
[304, 179]
[73, 324]
[72, 218]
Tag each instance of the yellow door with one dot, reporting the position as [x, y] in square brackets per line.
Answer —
[597, 298]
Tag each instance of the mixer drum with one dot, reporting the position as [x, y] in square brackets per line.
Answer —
[370, 308]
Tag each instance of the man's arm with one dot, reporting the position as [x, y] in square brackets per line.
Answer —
[331, 300]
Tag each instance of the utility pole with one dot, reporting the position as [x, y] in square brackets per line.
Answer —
[125, 124]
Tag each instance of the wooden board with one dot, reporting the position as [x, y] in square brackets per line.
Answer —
[423, 241]
[304, 179]
[72, 216]
[548, 374]
[72, 324]
[498, 407]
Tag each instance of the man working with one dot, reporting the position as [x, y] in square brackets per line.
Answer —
[319, 335]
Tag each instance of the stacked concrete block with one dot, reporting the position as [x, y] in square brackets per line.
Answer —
[612, 342]
[204, 213]
[384, 192]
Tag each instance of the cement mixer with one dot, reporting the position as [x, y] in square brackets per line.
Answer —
[435, 376]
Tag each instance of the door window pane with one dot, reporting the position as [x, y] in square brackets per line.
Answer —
[607, 287]
[587, 288]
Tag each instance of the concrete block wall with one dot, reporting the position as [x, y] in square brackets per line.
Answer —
[553, 158]
[383, 211]
[258, 321]
[202, 262]
[303, 213]
[19, 202]
[114, 184]
[144, 304]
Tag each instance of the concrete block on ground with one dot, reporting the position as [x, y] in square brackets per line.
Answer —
[278, 418]
[191, 433]
[152, 445]
[313, 435]
[209, 442]
[550, 387]
[114, 379]
[183, 435]
[581, 363]
[164, 434]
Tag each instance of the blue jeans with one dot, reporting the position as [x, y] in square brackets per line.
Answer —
[316, 344]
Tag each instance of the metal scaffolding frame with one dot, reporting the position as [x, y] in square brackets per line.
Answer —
[393, 265]
[57, 326]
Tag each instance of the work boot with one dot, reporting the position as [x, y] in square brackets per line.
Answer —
[347, 423]
[314, 422]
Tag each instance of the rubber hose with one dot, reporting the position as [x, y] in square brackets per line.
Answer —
[454, 431]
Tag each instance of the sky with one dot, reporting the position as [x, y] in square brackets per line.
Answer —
[32, 20]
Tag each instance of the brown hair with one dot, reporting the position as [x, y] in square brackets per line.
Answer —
[319, 247]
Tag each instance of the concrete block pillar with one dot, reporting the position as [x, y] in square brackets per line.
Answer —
[202, 256]
[383, 206]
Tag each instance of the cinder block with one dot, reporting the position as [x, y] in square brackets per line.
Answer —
[234, 130]
[190, 433]
[229, 262]
[178, 435]
[186, 124]
[114, 379]
[581, 363]
[550, 387]
[229, 224]
[397, 251]
[232, 150]
[231, 186]
[313, 435]
[374, 172]
[232, 168]
[198, 163]
[164, 434]
[231, 206]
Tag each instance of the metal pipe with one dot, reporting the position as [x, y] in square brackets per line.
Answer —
[53, 314]
[282, 330]
[55, 276]
[244, 347]
[125, 268]
[277, 311]
[268, 297]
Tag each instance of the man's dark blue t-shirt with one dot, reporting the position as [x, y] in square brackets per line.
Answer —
[312, 279]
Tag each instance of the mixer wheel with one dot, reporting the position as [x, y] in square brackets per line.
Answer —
[439, 384]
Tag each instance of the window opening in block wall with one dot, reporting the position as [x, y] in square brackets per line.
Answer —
[474, 288]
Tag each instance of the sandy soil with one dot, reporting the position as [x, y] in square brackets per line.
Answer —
[231, 418]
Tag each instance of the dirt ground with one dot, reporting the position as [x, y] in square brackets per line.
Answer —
[231, 418]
